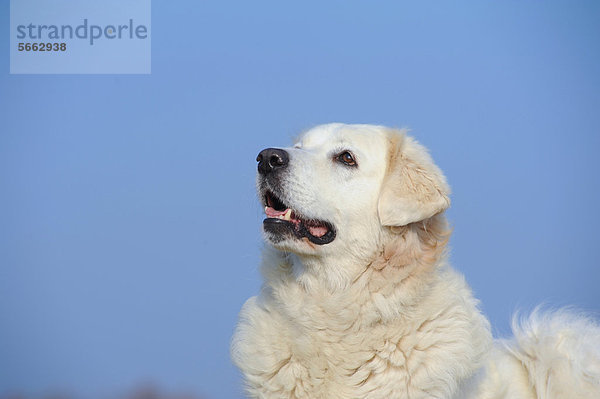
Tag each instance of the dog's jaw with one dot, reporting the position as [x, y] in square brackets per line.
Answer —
[287, 226]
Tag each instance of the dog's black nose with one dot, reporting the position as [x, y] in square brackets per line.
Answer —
[271, 159]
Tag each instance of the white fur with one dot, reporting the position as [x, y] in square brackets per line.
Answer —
[378, 312]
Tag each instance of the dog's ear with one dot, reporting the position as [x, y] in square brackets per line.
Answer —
[414, 188]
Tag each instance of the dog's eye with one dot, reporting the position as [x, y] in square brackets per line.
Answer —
[346, 158]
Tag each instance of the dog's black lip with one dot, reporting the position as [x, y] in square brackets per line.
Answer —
[281, 226]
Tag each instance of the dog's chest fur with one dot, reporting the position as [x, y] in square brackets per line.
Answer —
[361, 342]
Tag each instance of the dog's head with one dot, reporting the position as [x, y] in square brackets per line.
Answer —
[341, 186]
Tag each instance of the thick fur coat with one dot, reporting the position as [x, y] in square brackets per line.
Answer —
[358, 299]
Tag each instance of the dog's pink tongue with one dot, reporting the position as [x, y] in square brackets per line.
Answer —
[271, 212]
[317, 231]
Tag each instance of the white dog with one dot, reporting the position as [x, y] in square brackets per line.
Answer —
[358, 299]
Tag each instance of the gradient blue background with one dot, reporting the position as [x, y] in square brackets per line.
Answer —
[129, 230]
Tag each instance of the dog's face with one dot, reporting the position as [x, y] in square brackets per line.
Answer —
[340, 186]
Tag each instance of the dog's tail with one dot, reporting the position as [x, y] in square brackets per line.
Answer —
[560, 352]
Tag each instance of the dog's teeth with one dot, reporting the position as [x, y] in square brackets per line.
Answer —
[287, 215]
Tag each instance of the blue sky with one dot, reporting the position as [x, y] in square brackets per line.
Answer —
[130, 229]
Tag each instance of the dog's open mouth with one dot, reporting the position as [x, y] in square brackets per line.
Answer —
[282, 220]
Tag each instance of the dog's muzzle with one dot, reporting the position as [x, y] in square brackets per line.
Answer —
[282, 221]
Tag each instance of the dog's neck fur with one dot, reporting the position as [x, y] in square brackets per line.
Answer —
[400, 270]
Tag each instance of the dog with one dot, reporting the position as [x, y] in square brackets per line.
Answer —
[359, 300]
